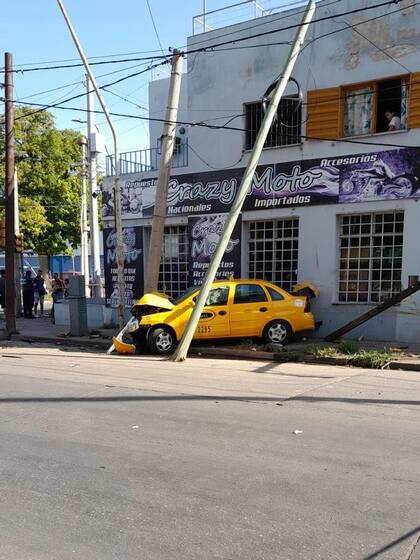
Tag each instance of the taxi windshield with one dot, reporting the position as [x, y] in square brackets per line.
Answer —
[184, 296]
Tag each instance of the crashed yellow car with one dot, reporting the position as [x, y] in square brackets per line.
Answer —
[234, 309]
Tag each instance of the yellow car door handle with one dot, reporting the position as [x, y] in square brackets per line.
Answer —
[222, 312]
[263, 309]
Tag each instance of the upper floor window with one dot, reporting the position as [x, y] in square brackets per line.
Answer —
[286, 128]
[376, 107]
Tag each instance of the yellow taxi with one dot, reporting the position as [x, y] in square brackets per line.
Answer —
[234, 309]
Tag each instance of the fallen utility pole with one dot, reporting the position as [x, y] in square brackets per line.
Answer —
[84, 239]
[182, 350]
[93, 191]
[10, 197]
[117, 194]
[398, 298]
[167, 149]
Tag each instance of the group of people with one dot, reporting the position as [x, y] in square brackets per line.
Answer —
[34, 290]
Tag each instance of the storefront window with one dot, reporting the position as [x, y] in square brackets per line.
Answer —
[173, 274]
[273, 251]
[371, 248]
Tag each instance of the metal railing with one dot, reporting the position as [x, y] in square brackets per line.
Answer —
[141, 161]
[239, 12]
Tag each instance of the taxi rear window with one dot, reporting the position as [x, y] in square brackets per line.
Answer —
[274, 294]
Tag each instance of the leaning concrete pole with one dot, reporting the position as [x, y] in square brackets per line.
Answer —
[168, 141]
[182, 350]
[118, 218]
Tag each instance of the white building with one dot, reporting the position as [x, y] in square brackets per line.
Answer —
[336, 199]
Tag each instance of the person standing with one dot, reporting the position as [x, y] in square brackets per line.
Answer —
[39, 293]
[28, 295]
[2, 288]
[57, 292]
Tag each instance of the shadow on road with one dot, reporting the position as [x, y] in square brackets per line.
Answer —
[149, 398]
[387, 547]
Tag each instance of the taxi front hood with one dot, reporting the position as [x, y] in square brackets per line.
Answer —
[156, 299]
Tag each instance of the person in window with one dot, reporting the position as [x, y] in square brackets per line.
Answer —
[394, 121]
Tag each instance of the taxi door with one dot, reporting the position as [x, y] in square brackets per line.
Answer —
[214, 321]
[250, 310]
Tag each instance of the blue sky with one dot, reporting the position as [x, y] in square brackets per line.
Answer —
[34, 31]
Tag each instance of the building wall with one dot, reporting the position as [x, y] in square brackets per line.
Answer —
[218, 84]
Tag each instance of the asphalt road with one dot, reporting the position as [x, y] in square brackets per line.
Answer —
[105, 458]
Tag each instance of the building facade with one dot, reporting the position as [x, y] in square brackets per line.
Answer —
[336, 196]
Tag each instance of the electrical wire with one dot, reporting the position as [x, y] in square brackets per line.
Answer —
[57, 105]
[230, 41]
[234, 129]
[380, 49]
[154, 26]
[327, 34]
[211, 166]
[293, 26]
[255, 25]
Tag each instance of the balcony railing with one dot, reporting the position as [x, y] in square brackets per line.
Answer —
[239, 12]
[141, 161]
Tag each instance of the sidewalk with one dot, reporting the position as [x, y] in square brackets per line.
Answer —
[42, 330]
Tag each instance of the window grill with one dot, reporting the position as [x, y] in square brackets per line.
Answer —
[371, 248]
[173, 273]
[285, 130]
[273, 251]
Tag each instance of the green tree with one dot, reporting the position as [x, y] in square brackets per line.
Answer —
[49, 196]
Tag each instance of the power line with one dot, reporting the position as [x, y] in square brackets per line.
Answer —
[284, 16]
[230, 41]
[151, 52]
[211, 166]
[154, 26]
[57, 105]
[234, 129]
[80, 64]
[61, 61]
[293, 26]
[316, 38]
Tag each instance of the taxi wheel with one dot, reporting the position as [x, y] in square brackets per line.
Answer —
[277, 332]
[161, 340]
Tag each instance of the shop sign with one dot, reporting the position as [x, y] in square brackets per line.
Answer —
[133, 265]
[204, 233]
[385, 175]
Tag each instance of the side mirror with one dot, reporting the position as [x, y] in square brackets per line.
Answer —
[192, 303]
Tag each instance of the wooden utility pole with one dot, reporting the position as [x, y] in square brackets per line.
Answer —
[394, 300]
[182, 350]
[167, 149]
[10, 197]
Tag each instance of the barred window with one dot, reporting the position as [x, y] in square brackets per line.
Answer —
[173, 274]
[371, 248]
[273, 251]
[285, 130]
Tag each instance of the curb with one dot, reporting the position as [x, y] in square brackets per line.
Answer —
[281, 357]
[203, 352]
[64, 341]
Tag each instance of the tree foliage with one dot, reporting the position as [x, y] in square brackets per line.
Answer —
[49, 196]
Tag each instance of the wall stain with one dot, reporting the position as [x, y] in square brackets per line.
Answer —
[394, 42]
